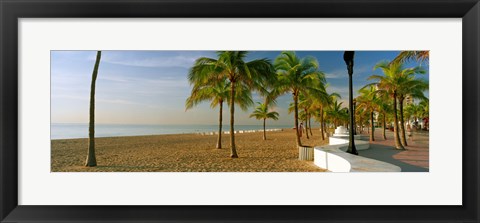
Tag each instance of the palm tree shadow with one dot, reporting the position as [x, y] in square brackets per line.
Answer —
[386, 154]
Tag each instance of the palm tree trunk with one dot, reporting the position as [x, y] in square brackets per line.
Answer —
[306, 123]
[310, 123]
[361, 126]
[384, 126]
[295, 101]
[398, 145]
[306, 129]
[264, 132]
[91, 159]
[322, 126]
[372, 135]
[232, 120]
[402, 123]
[414, 119]
[219, 142]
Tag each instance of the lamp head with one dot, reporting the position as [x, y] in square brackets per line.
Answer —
[348, 57]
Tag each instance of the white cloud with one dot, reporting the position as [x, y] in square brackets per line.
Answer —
[336, 74]
[342, 73]
[154, 83]
[158, 61]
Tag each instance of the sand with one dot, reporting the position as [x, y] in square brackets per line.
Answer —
[186, 153]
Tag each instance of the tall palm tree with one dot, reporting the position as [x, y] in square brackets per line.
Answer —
[393, 83]
[91, 159]
[405, 56]
[218, 92]
[261, 113]
[297, 75]
[368, 99]
[241, 75]
[412, 88]
[388, 84]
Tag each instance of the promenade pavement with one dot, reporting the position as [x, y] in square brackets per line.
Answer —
[414, 159]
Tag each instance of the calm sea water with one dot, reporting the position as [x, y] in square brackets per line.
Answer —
[71, 131]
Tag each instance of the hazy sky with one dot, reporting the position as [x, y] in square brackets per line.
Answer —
[150, 87]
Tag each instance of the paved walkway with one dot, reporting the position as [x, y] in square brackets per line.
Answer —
[414, 159]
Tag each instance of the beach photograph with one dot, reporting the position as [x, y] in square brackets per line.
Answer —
[239, 111]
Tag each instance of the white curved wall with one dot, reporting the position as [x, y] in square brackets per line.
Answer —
[330, 161]
[333, 158]
[359, 144]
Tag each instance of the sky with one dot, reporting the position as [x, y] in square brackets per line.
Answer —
[150, 87]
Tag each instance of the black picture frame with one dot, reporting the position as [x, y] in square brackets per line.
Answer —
[11, 11]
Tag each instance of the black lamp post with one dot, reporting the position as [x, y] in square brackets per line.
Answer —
[348, 57]
[354, 112]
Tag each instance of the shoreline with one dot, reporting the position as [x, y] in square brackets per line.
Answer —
[186, 133]
[271, 129]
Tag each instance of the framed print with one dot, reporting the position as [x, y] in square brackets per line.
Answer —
[138, 88]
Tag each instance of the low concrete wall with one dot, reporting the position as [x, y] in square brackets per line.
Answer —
[359, 143]
[335, 159]
[328, 158]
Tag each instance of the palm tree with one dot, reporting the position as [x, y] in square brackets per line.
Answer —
[368, 99]
[297, 75]
[412, 88]
[405, 56]
[309, 117]
[91, 159]
[322, 101]
[361, 117]
[412, 111]
[388, 84]
[261, 112]
[304, 103]
[384, 108]
[218, 92]
[336, 113]
[242, 75]
[424, 111]
[424, 108]
[392, 83]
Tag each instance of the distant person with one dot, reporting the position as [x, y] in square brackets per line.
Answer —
[300, 129]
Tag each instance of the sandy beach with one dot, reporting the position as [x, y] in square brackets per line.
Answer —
[186, 153]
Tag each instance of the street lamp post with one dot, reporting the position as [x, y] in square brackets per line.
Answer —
[348, 57]
[354, 112]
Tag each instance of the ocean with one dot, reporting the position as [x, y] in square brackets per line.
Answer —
[72, 131]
